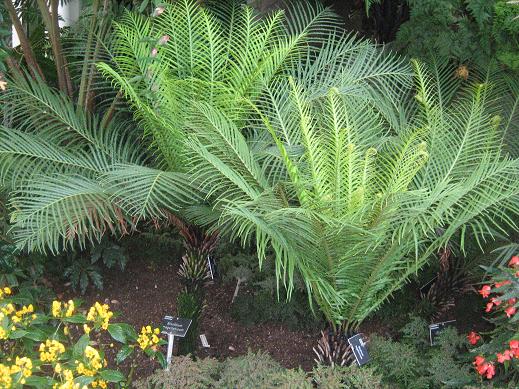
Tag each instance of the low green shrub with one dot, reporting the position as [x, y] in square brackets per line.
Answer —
[412, 363]
[257, 371]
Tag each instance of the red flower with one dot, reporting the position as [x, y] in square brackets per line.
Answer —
[473, 337]
[503, 283]
[514, 344]
[479, 360]
[514, 261]
[512, 301]
[506, 356]
[485, 291]
[496, 301]
[489, 307]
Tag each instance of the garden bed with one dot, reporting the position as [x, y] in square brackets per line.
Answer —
[146, 291]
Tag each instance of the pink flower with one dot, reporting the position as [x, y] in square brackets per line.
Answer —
[496, 301]
[485, 291]
[489, 307]
[158, 11]
[473, 337]
[154, 52]
[163, 40]
[514, 344]
[514, 261]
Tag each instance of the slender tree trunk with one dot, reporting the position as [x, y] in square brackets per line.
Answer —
[28, 54]
[83, 90]
[50, 19]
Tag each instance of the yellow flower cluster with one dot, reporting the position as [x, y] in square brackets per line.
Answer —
[60, 309]
[68, 378]
[148, 337]
[18, 316]
[100, 314]
[51, 350]
[5, 292]
[94, 362]
[8, 309]
[22, 367]
[99, 384]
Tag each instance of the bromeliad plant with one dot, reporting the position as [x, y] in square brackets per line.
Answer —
[65, 347]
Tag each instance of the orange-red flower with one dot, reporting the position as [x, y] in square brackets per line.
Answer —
[491, 371]
[485, 291]
[473, 337]
[484, 368]
[505, 356]
[503, 283]
[514, 261]
[479, 360]
[510, 311]
[496, 301]
[514, 344]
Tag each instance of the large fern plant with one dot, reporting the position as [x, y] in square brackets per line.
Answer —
[281, 132]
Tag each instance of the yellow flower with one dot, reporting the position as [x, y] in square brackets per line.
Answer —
[99, 383]
[56, 308]
[66, 311]
[51, 350]
[148, 337]
[100, 315]
[5, 376]
[65, 330]
[70, 308]
[86, 328]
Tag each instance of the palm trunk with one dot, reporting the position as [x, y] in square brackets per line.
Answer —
[28, 54]
[50, 19]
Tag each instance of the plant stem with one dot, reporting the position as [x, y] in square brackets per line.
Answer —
[84, 71]
[28, 53]
[50, 19]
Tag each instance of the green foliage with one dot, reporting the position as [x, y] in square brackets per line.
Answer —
[190, 306]
[473, 31]
[258, 300]
[184, 373]
[85, 267]
[506, 33]
[413, 363]
[256, 371]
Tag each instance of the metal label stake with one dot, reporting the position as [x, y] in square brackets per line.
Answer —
[171, 341]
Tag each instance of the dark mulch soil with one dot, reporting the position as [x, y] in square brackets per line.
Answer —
[145, 293]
